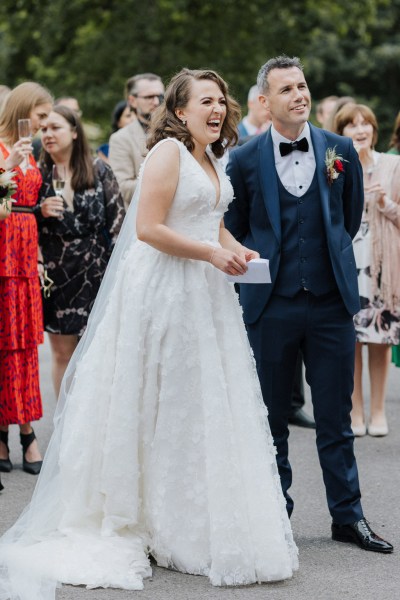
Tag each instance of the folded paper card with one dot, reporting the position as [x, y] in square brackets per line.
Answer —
[257, 272]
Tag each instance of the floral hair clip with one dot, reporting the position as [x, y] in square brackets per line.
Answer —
[334, 164]
[7, 187]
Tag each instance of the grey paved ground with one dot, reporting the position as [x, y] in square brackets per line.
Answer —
[328, 570]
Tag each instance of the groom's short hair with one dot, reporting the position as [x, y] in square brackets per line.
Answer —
[279, 62]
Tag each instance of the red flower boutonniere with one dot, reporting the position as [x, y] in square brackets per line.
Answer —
[334, 164]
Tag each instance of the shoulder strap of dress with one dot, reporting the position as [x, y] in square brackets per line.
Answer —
[154, 148]
[168, 139]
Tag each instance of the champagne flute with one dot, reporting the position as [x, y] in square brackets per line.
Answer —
[25, 133]
[58, 177]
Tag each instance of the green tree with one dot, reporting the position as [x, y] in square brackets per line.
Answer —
[88, 48]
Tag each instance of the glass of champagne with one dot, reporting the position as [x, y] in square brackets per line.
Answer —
[58, 176]
[25, 133]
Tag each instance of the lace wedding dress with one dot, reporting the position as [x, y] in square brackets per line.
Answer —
[162, 444]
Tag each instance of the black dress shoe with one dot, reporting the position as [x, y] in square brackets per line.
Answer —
[301, 418]
[33, 468]
[5, 463]
[360, 533]
[1, 486]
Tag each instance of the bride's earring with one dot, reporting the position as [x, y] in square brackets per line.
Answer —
[184, 122]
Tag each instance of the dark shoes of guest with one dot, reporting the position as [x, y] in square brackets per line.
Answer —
[360, 533]
[301, 419]
[5, 463]
[29, 467]
[1, 486]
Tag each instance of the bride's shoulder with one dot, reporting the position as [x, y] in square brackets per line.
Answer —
[169, 143]
[163, 157]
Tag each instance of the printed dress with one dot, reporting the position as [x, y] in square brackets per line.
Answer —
[21, 322]
[375, 323]
[76, 249]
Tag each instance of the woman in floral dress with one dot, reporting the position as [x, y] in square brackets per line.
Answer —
[77, 232]
[377, 253]
[21, 323]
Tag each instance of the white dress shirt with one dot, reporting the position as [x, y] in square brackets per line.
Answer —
[295, 170]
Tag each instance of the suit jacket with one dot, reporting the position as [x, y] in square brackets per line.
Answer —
[254, 215]
[126, 153]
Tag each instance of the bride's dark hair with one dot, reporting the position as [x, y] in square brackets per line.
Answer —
[165, 123]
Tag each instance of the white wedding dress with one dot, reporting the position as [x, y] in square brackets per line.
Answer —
[163, 443]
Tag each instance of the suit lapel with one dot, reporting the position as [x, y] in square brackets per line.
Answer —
[320, 145]
[269, 182]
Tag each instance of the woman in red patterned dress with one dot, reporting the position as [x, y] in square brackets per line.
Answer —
[21, 322]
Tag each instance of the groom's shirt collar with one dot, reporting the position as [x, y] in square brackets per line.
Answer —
[296, 170]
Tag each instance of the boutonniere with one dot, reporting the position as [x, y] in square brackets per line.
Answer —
[7, 187]
[334, 164]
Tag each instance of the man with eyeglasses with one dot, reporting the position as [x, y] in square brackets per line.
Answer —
[127, 150]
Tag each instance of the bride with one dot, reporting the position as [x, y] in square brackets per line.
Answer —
[161, 444]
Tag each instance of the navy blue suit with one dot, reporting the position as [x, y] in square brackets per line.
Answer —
[310, 303]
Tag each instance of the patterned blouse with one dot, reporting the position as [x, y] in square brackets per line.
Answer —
[76, 248]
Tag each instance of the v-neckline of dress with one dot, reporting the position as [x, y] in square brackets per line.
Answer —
[217, 195]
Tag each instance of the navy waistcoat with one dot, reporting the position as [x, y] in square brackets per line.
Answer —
[305, 261]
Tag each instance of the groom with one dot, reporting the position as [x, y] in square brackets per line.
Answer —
[298, 201]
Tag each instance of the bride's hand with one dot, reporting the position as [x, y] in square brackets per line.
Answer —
[248, 254]
[228, 262]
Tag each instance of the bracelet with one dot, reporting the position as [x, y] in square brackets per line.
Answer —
[212, 255]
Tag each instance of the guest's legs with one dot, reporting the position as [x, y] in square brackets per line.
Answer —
[3, 447]
[62, 348]
[379, 356]
[357, 413]
[32, 454]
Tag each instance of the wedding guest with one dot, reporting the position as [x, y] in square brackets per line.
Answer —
[340, 102]
[325, 107]
[377, 254]
[302, 216]
[257, 119]
[394, 146]
[144, 92]
[395, 149]
[21, 325]
[70, 102]
[77, 231]
[163, 444]
[121, 116]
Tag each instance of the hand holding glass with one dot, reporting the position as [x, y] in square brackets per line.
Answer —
[59, 182]
[25, 134]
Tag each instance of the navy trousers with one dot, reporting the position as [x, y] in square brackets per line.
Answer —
[323, 330]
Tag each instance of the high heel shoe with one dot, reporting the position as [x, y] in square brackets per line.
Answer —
[359, 430]
[29, 467]
[5, 463]
[378, 430]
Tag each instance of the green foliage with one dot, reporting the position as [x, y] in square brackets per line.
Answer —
[88, 48]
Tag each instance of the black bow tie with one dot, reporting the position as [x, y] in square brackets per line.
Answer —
[287, 148]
